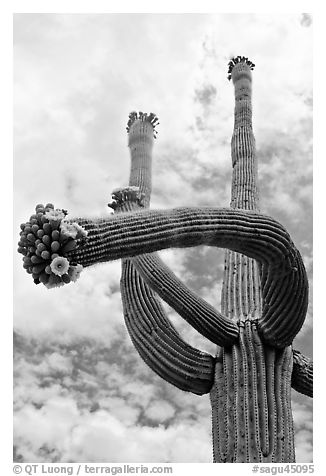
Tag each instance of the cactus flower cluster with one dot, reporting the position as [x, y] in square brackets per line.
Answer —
[121, 195]
[44, 241]
[239, 59]
[143, 116]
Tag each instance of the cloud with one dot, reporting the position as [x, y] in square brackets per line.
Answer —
[100, 437]
[86, 408]
[160, 411]
[302, 416]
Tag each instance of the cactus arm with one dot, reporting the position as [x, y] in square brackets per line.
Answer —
[131, 234]
[302, 374]
[286, 298]
[252, 234]
[157, 341]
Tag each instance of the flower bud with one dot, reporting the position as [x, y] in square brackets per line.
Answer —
[46, 240]
[31, 237]
[46, 255]
[55, 246]
[36, 259]
[55, 235]
[47, 228]
[48, 269]
[41, 247]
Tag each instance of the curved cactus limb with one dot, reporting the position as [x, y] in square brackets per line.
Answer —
[302, 374]
[285, 299]
[157, 341]
[130, 234]
[254, 235]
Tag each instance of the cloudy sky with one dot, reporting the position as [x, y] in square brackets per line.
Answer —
[82, 392]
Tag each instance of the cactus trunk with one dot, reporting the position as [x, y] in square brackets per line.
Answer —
[251, 405]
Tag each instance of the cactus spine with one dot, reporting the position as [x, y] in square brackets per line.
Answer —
[264, 295]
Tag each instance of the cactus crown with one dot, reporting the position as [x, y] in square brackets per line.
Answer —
[236, 60]
[130, 193]
[143, 116]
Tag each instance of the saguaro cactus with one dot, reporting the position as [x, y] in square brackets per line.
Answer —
[264, 295]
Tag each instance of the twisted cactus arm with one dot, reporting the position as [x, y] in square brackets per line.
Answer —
[302, 374]
[255, 235]
[157, 341]
[130, 234]
[286, 302]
